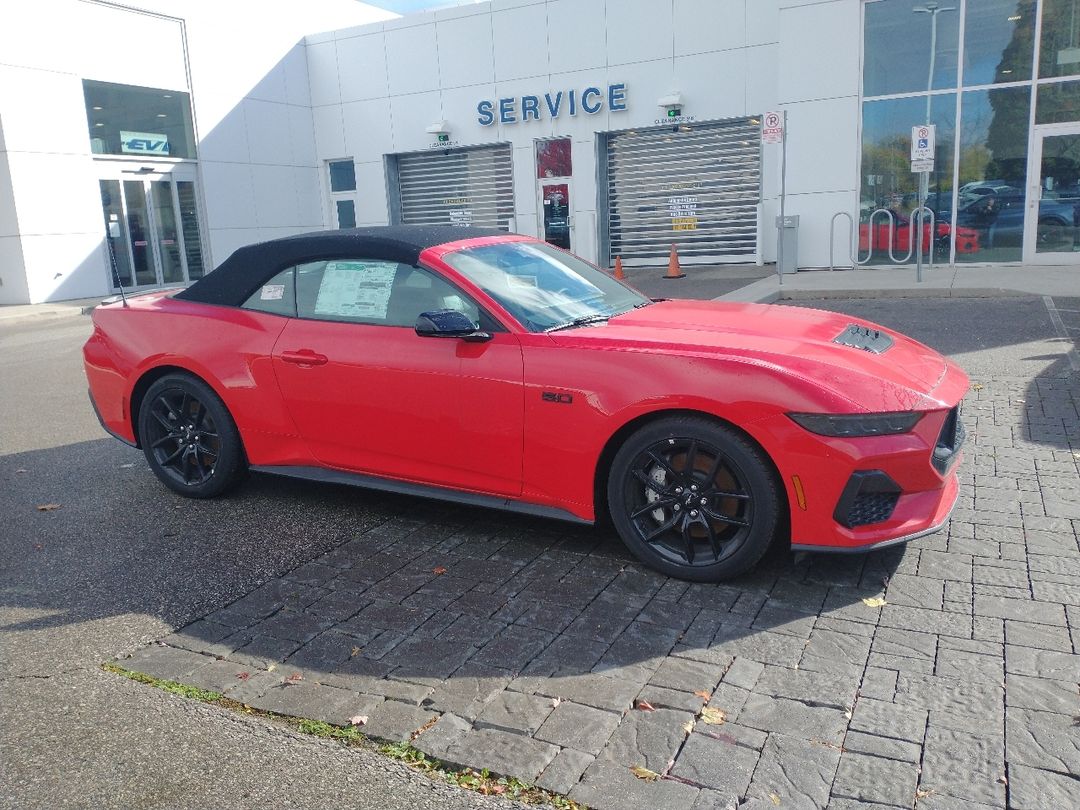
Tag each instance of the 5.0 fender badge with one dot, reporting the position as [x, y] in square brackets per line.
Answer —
[552, 396]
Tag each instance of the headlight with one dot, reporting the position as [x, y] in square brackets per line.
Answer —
[858, 424]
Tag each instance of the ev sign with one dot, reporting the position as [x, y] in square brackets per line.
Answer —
[923, 139]
[143, 143]
[772, 127]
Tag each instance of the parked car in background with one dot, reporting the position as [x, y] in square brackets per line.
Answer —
[999, 219]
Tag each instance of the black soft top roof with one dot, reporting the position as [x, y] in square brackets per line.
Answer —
[236, 278]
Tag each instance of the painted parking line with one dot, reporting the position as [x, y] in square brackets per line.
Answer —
[1059, 326]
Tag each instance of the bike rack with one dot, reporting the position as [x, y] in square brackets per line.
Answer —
[919, 214]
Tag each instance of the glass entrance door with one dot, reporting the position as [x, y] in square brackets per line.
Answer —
[151, 225]
[555, 212]
[1052, 224]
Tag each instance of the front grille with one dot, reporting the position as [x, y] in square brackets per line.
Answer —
[870, 496]
[949, 442]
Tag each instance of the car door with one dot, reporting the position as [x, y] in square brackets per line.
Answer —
[370, 395]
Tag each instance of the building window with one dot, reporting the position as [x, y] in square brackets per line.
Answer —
[993, 172]
[897, 41]
[1058, 103]
[887, 179]
[999, 39]
[342, 176]
[968, 66]
[1060, 46]
[139, 121]
[553, 158]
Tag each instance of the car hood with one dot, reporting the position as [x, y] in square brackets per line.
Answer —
[796, 340]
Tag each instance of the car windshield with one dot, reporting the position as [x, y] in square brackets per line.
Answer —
[544, 288]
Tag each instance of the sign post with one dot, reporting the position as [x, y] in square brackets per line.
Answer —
[774, 130]
[923, 138]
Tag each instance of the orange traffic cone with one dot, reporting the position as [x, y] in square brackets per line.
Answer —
[619, 274]
[673, 269]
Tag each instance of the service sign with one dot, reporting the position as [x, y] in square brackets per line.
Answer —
[772, 127]
[552, 104]
[144, 143]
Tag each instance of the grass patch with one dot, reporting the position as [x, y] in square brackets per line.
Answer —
[173, 687]
[481, 781]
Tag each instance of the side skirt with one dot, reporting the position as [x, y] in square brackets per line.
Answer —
[422, 490]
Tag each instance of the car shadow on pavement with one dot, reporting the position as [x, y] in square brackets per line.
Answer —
[522, 639]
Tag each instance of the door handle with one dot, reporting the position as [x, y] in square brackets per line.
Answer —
[304, 357]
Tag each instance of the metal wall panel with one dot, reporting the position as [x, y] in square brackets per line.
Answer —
[454, 187]
[693, 185]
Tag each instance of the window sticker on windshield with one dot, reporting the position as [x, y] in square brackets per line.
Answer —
[355, 289]
[272, 292]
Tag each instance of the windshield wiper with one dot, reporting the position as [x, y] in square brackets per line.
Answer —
[582, 321]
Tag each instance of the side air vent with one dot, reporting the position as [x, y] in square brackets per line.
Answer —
[861, 337]
[868, 497]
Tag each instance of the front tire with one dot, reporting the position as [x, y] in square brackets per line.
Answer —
[189, 438]
[693, 499]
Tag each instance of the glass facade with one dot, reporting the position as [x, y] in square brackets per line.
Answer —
[973, 68]
[140, 121]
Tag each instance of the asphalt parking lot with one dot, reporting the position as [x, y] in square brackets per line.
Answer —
[533, 644]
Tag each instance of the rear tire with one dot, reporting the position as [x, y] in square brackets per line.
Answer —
[189, 438]
[694, 499]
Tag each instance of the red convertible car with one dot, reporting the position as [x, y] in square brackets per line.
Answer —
[496, 370]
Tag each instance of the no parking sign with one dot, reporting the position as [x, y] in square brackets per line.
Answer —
[772, 127]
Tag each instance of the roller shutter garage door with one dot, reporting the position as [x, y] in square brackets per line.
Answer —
[455, 187]
[694, 185]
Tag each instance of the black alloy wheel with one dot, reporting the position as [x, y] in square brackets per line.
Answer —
[189, 438]
[693, 499]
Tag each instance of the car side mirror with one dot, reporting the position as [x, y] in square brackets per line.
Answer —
[449, 323]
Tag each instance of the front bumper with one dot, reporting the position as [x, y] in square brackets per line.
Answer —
[909, 483]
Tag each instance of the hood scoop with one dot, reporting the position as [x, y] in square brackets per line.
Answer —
[861, 337]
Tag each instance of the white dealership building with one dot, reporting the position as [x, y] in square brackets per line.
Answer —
[145, 141]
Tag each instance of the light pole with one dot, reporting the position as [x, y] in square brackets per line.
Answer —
[933, 8]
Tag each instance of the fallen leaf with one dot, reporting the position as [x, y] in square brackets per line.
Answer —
[439, 571]
[1003, 779]
[688, 726]
[555, 701]
[874, 601]
[355, 652]
[242, 676]
[774, 798]
[271, 668]
[358, 720]
[922, 793]
[47, 507]
[126, 466]
[296, 677]
[20, 471]
[976, 386]
[701, 693]
[641, 772]
[644, 705]
[434, 719]
[713, 716]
